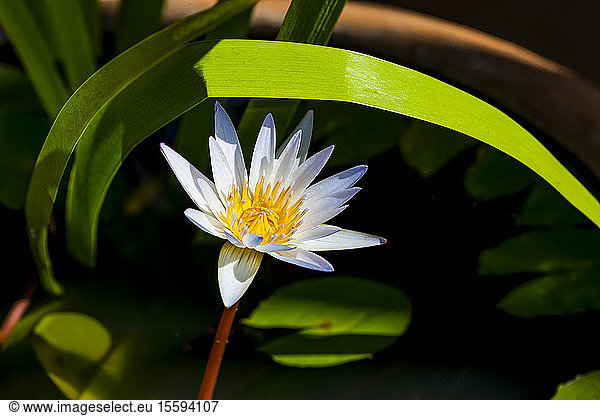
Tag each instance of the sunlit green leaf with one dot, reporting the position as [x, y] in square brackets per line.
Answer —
[542, 251]
[556, 294]
[70, 345]
[340, 319]
[428, 148]
[35, 54]
[244, 68]
[545, 207]
[495, 174]
[584, 387]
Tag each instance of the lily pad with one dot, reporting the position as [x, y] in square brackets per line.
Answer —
[495, 174]
[340, 319]
[584, 387]
[542, 251]
[428, 148]
[546, 207]
[70, 346]
[557, 294]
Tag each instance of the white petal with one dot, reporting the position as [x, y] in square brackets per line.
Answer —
[314, 218]
[205, 222]
[304, 258]
[251, 240]
[269, 248]
[188, 176]
[315, 232]
[228, 141]
[285, 163]
[209, 192]
[306, 126]
[338, 182]
[309, 170]
[237, 268]
[264, 152]
[233, 239]
[331, 201]
[224, 179]
[342, 240]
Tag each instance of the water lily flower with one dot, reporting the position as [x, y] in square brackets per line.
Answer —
[274, 209]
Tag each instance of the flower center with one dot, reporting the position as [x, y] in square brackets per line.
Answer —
[267, 211]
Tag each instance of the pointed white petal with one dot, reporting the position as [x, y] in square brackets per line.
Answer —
[251, 240]
[205, 222]
[224, 179]
[237, 268]
[338, 182]
[331, 201]
[306, 125]
[228, 141]
[309, 170]
[209, 192]
[342, 240]
[316, 232]
[304, 258]
[285, 163]
[233, 239]
[187, 175]
[314, 218]
[269, 248]
[264, 152]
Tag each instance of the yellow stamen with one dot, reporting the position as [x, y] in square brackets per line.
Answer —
[266, 212]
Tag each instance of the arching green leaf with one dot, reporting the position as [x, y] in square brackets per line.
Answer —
[246, 68]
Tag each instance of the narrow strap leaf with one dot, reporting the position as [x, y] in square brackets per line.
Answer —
[237, 68]
[34, 52]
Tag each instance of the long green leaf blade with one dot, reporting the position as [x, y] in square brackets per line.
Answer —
[86, 102]
[243, 68]
[34, 52]
[73, 42]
